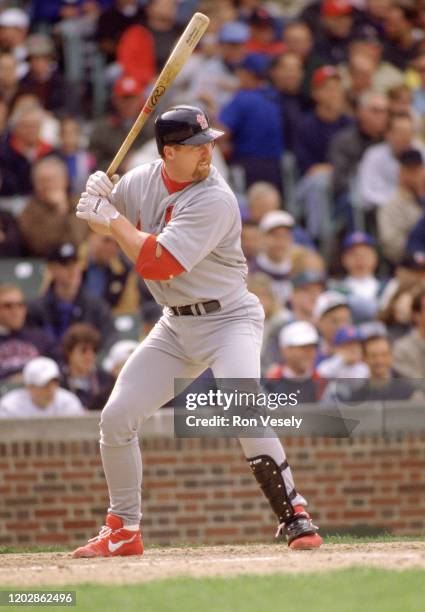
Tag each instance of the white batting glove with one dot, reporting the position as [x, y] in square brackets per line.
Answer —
[96, 209]
[99, 184]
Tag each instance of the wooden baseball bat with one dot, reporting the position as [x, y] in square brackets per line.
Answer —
[178, 57]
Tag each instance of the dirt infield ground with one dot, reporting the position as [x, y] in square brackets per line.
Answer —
[24, 570]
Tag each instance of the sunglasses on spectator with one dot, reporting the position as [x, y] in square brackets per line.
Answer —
[10, 305]
[378, 109]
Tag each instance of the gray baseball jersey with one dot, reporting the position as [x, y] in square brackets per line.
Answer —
[203, 234]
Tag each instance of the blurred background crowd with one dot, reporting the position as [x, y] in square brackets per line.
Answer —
[323, 104]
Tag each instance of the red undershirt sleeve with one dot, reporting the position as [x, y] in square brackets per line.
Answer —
[151, 267]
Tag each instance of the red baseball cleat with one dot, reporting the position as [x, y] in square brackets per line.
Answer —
[307, 542]
[300, 533]
[113, 541]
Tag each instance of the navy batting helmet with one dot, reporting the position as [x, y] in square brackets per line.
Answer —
[187, 125]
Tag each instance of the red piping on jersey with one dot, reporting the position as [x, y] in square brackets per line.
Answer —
[172, 186]
[151, 267]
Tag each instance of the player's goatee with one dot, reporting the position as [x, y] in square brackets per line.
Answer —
[201, 171]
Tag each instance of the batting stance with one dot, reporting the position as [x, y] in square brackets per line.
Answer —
[179, 222]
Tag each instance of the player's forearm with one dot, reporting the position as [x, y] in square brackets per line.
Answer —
[98, 228]
[128, 237]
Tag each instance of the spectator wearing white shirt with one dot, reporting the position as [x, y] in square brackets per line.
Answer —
[397, 219]
[378, 174]
[41, 395]
[279, 253]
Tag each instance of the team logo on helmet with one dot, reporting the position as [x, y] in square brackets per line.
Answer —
[202, 120]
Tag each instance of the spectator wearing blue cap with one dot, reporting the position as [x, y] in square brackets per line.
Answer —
[397, 219]
[360, 259]
[307, 286]
[254, 124]
[347, 360]
[216, 82]
[264, 36]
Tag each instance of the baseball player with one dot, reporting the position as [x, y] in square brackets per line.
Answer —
[179, 222]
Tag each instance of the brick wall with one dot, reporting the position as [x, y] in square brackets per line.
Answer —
[52, 488]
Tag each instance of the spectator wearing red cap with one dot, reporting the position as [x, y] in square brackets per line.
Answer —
[109, 132]
[312, 139]
[334, 30]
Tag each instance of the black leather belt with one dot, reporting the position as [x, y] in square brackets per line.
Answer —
[196, 309]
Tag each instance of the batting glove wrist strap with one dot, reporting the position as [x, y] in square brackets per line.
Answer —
[96, 209]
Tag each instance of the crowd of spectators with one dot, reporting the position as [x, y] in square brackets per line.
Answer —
[323, 105]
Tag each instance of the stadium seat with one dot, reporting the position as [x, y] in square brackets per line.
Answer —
[128, 326]
[28, 274]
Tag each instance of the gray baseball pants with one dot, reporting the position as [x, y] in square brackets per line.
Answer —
[177, 347]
